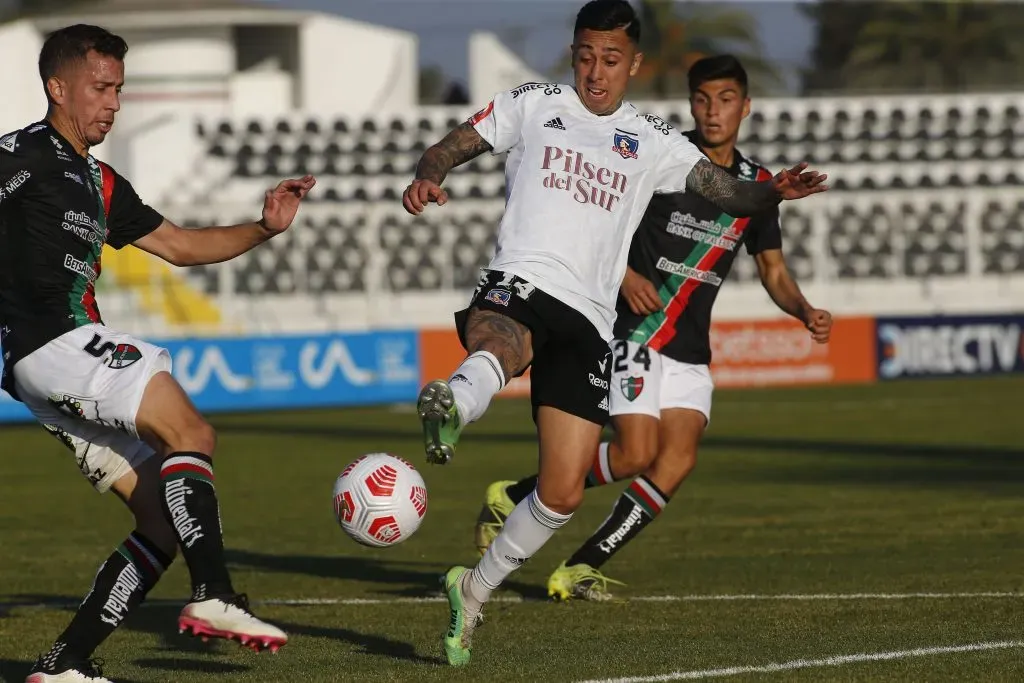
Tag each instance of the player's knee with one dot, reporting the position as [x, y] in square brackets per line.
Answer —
[561, 499]
[638, 453]
[193, 435]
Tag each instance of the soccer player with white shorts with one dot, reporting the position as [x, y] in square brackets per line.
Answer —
[661, 385]
[106, 395]
[582, 166]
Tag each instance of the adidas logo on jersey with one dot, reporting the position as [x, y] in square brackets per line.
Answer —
[555, 123]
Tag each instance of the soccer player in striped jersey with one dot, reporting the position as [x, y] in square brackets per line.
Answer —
[661, 387]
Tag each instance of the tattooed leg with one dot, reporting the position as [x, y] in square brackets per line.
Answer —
[507, 340]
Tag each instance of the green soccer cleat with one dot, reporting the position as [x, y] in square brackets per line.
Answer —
[580, 582]
[441, 421]
[497, 507]
[461, 621]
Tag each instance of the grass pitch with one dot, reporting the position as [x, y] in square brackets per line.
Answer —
[819, 523]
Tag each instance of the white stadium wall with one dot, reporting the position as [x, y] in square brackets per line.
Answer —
[493, 68]
[23, 97]
[356, 69]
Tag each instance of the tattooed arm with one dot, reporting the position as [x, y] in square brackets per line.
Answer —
[458, 147]
[744, 198]
[733, 196]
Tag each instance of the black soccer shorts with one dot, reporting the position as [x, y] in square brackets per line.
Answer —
[571, 362]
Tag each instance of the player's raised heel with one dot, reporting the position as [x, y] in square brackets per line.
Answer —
[230, 619]
[441, 422]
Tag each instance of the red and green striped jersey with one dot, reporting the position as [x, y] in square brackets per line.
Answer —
[57, 210]
[685, 245]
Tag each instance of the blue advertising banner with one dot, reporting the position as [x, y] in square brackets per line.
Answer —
[949, 345]
[288, 372]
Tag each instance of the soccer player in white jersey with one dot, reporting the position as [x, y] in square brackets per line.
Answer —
[661, 385]
[582, 166]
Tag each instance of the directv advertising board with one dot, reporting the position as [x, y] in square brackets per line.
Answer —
[949, 346]
[287, 372]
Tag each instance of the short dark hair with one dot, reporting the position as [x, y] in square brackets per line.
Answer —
[717, 68]
[72, 43]
[608, 15]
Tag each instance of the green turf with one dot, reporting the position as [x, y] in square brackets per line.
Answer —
[896, 488]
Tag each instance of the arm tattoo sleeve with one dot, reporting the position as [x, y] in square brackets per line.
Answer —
[735, 197]
[458, 147]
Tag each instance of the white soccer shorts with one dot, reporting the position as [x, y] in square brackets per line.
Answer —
[85, 388]
[646, 382]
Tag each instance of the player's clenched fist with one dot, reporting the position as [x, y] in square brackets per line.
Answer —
[420, 193]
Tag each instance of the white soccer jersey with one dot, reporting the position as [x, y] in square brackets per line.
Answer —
[577, 185]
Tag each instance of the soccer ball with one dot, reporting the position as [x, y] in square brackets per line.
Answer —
[380, 500]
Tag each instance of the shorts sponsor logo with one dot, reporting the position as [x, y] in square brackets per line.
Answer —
[632, 387]
[603, 405]
[460, 378]
[499, 296]
[599, 382]
[123, 356]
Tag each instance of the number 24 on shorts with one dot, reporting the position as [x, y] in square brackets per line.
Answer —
[642, 356]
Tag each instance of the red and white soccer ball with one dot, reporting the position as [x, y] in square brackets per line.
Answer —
[380, 500]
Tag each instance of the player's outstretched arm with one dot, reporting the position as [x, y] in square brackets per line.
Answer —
[462, 144]
[743, 198]
[782, 288]
[199, 246]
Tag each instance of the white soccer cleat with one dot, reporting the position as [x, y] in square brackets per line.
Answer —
[86, 672]
[230, 619]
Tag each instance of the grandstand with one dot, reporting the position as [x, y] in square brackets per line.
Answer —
[926, 189]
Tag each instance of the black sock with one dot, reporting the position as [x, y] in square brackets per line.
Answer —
[636, 508]
[120, 585]
[521, 489]
[190, 503]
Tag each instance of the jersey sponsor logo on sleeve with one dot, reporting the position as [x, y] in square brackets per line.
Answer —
[660, 124]
[549, 89]
[482, 114]
[626, 144]
[575, 175]
[16, 181]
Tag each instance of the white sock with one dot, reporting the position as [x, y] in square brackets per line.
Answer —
[474, 383]
[527, 529]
